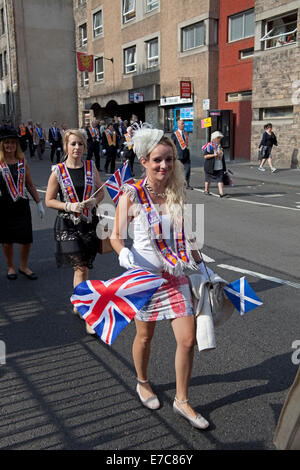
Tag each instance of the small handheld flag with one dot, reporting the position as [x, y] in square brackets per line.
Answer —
[116, 181]
[108, 306]
[242, 296]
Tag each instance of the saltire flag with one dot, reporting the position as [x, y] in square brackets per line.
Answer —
[242, 296]
[108, 306]
[85, 62]
[115, 182]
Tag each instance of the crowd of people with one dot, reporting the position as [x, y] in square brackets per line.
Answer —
[161, 243]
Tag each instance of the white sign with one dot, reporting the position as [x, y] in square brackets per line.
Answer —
[173, 100]
[206, 105]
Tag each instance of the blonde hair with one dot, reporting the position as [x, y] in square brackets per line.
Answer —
[80, 133]
[19, 154]
[176, 187]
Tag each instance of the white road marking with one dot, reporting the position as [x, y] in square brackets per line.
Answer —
[259, 275]
[252, 202]
[41, 191]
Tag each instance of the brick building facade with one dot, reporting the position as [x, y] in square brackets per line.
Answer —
[276, 78]
[154, 45]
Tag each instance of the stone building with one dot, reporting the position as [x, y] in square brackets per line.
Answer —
[154, 45]
[37, 63]
[276, 78]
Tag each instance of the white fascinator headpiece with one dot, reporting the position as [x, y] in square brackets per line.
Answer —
[144, 138]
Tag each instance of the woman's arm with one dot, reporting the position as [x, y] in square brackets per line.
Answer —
[51, 194]
[263, 141]
[124, 215]
[30, 186]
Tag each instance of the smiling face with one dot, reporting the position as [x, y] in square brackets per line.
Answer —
[159, 164]
[10, 146]
[75, 147]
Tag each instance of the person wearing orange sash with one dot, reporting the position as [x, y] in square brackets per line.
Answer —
[155, 208]
[127, 149]
[93, 143]
[16, 226]
[22, 136]
[181, 141]
[75, 180]
[110, 147]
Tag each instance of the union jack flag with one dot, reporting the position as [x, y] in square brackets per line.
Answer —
[209, 147]
[108, 306]
[116, 181]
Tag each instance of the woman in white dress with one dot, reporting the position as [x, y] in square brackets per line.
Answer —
[154, 206]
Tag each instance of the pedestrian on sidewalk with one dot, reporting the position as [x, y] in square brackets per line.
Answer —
[266, 144]
[39, 140]
[214, 163]
[75, 180]
[155, 250]
[16, 226]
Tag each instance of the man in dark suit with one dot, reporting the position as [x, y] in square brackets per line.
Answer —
[55, 141]
[180, 139]
[29, 137]
[93, 143]
[110, 147]
[120, 130]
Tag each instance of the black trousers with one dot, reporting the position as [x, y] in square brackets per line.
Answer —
[31, 146]
[94, 149]
[110, 160]
[54, 150]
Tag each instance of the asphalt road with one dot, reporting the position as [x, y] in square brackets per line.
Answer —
[62, 389]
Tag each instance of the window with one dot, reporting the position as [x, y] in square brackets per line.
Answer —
[193, 36]
[239, 96]
[5, 64]
[277, 113]
[169, 120]
[151, 5]
[280, 31]
[247, 53]
[2, 22]
[82, 35]
[128, 10]
[85, 79]
[99, 69]
[130, 59]
[97, 24]
[81, 3]
[152, 53]
[241, 26]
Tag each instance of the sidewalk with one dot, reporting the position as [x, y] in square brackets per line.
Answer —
[248, 171]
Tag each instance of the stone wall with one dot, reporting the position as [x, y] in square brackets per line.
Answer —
[276, 84]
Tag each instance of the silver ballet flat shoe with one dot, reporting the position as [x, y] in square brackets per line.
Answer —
[152, 403]
[198, 422]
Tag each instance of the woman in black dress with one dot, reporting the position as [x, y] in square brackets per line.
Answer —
[75, 180]
[16, 226]
[268, 140]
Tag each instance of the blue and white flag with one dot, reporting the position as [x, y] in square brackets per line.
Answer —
[242, 296]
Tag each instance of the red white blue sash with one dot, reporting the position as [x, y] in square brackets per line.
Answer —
[169, 257]
[15, 191]
[69, 187]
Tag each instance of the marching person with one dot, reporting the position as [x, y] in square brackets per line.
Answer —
[154, 249]
[29, 137]
[127, 149]
[214, 163]
[93, 143]
[268, 140]
[120, 130]
[181, 141]
[55, 141]
[75, 180]
[39, 140]
[16, 226]
[110, 147]
[22, 136]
